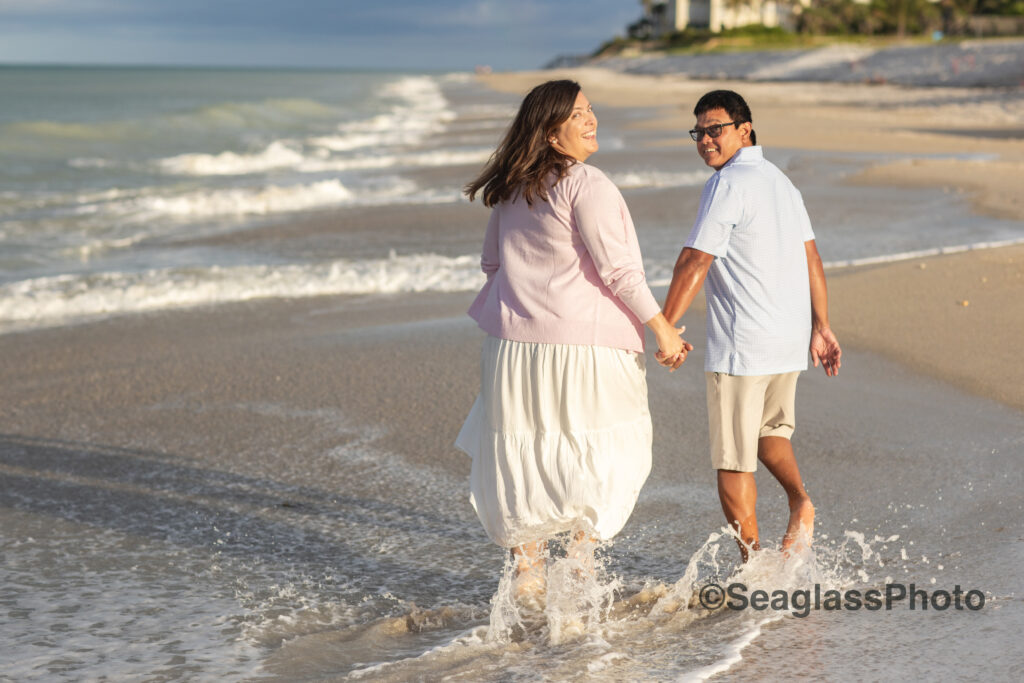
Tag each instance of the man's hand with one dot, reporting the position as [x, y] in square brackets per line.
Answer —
[825, 348]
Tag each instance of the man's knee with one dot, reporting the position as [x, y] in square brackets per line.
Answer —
[738, 487]
[771, 448]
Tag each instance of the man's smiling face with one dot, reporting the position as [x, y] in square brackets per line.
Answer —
[716, 152]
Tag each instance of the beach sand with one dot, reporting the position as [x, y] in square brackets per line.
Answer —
[956, 317]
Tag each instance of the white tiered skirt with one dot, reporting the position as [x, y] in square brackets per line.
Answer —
[560, 437]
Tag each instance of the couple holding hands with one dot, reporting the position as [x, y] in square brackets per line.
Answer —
[560, 433]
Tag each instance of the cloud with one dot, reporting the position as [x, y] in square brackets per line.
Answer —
[58, 6]
[436, 34]
[485, 14]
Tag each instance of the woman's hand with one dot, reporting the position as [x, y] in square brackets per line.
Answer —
[672, 348]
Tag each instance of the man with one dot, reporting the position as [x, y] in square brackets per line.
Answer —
[767, 302]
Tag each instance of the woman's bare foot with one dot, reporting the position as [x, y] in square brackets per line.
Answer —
[801, 525]
[529, 582]
[581, 548]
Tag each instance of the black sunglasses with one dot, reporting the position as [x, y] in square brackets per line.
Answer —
[713, 131]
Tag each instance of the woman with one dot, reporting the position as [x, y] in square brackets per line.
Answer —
[560, 434]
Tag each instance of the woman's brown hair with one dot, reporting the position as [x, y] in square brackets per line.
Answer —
[524, 161]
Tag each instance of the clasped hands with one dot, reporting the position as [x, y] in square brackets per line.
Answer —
[673, 349]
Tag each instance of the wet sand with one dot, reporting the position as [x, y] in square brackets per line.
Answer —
[153, 380]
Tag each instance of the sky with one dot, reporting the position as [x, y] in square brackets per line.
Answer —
[389, 34]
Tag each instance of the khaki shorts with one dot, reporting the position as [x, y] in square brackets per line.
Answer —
[743, 409]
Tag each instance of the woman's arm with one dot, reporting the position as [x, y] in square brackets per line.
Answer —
[490, 258]
[607, 231]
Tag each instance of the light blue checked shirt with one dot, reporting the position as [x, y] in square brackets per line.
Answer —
[753, 221]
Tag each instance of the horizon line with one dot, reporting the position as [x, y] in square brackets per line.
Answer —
[225, 67]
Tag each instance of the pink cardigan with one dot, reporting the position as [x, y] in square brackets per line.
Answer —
[566, 271]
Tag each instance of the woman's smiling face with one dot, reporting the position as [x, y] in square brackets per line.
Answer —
[576, 137]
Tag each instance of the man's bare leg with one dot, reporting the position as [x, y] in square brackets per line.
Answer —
[738, 493]
[776, 453]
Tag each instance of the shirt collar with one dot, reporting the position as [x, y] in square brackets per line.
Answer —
[745, 155]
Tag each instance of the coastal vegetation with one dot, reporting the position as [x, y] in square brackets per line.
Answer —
[877, 22]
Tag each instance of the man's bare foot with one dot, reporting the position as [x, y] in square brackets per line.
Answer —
[801, 525]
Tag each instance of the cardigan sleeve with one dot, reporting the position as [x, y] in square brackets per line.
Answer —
[490, 260]
[608, 234]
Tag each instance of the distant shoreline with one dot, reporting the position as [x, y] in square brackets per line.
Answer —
[969, 63]
[222, 67]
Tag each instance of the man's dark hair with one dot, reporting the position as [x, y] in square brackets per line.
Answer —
[733, 104]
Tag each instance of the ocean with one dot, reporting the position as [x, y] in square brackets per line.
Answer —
[137, 192]
[121, 187]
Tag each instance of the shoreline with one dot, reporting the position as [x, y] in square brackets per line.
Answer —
[970, 62]
[954, 317]
[314, 438]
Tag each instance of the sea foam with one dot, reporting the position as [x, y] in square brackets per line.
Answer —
[148, 205]
[277, 155]
[55, 300]
[640, 179]
[47, 301]
[418, 109]
[287, 155]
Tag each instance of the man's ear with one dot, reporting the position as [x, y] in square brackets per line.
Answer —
[745, 128]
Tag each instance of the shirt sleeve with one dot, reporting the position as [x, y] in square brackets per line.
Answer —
[805, 220]
[607, 231]
[721, 209]
[490, 259]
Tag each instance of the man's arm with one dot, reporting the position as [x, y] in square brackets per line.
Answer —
[824, 345]
[687, 278]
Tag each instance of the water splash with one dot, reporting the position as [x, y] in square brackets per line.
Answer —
[574, 593]
[830, 566]
[586, 621]
[811, 569]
